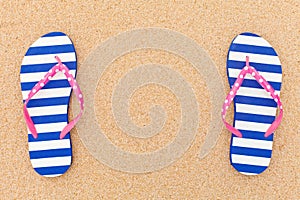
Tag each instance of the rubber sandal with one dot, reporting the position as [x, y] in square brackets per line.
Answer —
[51, 57]
[255, 76]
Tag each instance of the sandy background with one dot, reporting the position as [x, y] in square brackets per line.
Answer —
[213, 25]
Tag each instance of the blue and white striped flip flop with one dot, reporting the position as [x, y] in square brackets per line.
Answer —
[50, 156]
[254, 107]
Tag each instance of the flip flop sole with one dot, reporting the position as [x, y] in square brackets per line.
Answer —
[254, 108]
[49, 155]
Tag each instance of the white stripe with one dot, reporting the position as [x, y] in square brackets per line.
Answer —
[258, 110]
[52, 41]
[250, 40]
[52, 175]
[48, 93]
[50, 127]
[256, 58]
[48, 58]
[51, 162]
[250, 160]
[252, 143]
[47, 110]
[50, 144]
[37, 76]
[248, 174]
[270, 77]
[251, 126]
[254, 92]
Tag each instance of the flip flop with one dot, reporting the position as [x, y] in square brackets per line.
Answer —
[255, 76]
[51, 57]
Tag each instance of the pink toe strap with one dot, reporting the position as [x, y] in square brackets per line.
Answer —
[56, 68]
[237, 84]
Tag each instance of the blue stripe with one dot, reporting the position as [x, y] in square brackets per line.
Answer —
[52, 170]
[258, 66]
[254, 118]
[253, 49]
[255, 135]
[44, 67]
[251, 152]
[255, 84]
[255, 101]
[48, 102]
[54, 34]
[47, 137]
[50, 85]
[50, 153]
[50, 119]
[250, 34]
[249, 168]
[50, 50]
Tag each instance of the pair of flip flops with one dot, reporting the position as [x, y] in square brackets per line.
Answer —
[47, 79]
[254, 74]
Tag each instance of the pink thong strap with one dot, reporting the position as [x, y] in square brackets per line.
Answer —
[56, 68]
[262, 81]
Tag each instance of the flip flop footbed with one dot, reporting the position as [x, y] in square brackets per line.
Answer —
[254, 108]
[48, 109]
